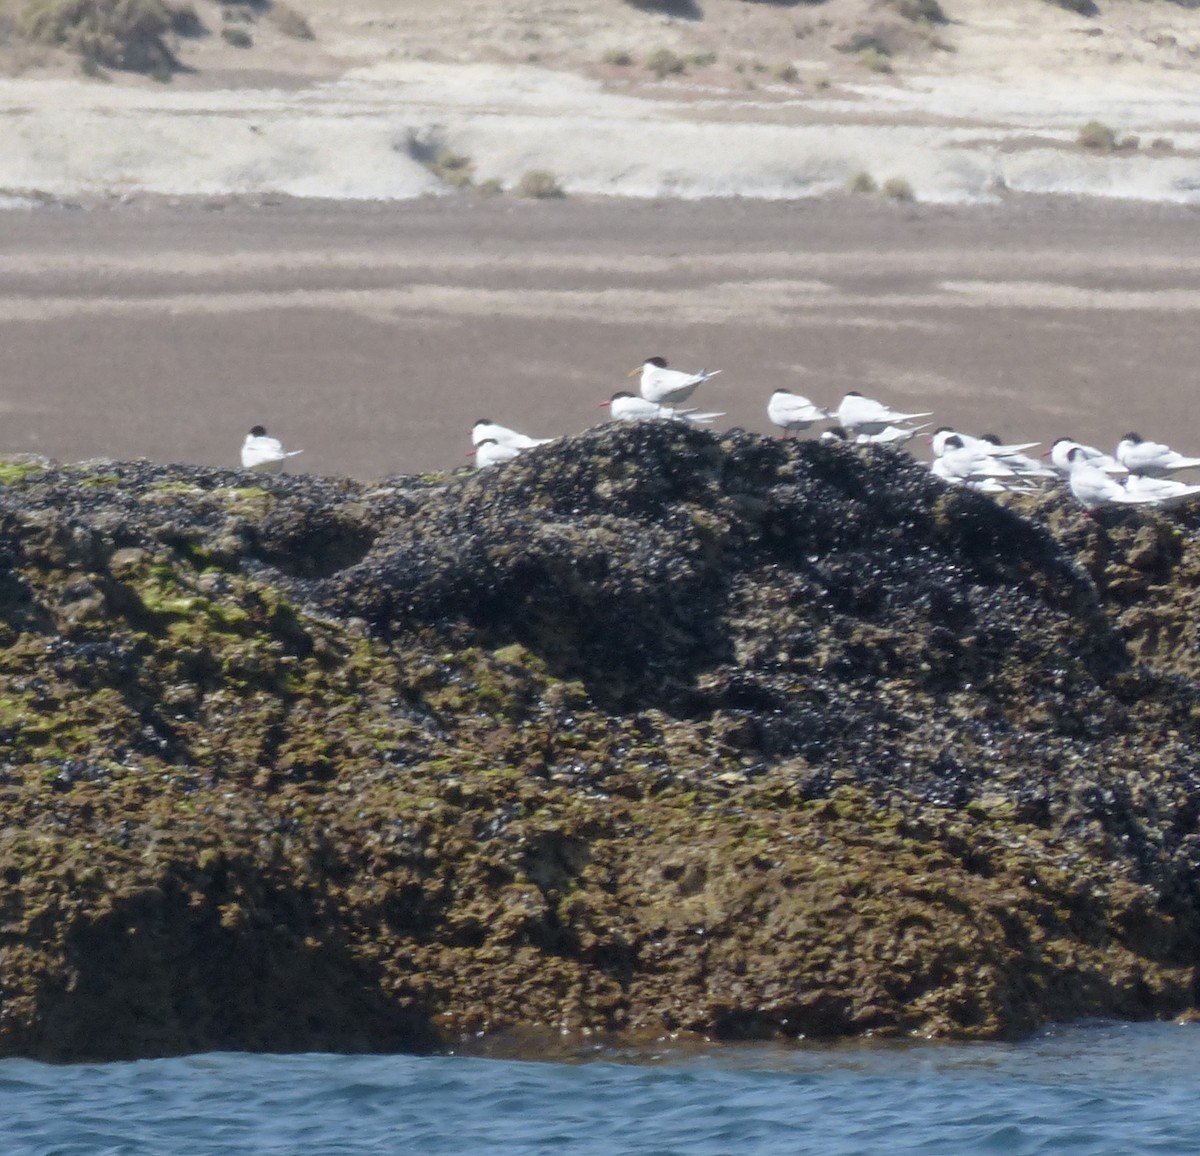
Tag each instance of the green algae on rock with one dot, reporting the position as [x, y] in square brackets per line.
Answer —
[649, 731]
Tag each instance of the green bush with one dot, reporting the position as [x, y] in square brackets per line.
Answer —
[1098, 136]
[663, 62]
[539, 184]
[124, 34]
[898, 189]
[862, 182]
[452, 168]
[237, 37]
[875, 60]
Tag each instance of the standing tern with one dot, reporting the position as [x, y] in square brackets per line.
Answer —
[263, 453]
[864, 415]
[485, 429]
[1061, 447]
[792, 412]
[668, 386]
[490, 452]
[1139, 456]
[625, 406]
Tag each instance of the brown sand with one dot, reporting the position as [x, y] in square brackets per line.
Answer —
[373, 336]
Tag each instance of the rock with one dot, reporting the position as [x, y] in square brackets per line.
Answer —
[651, 730]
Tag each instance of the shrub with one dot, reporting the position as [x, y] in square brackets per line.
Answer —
[237, 37]
[124, 34]
[663, 62]
[687, 9]
[539, 184]
[788, 73]
[921, 11]
[701, 59]
[898, 189]
[1098, 136]
[862, 182]
[290, 22]
[423, 145]
[1162, 144]
[866, 42]
[185, 20]
[451, 167]
[618, 56]
[875, 60]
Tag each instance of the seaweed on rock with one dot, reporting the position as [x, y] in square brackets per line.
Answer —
[651, 730]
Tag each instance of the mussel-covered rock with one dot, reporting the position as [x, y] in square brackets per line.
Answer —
[649, 730]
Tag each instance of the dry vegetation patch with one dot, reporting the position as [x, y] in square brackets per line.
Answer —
[129, 34]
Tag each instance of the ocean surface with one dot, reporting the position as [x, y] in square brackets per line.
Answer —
[1104, 1088]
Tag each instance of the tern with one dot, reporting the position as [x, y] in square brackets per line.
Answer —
[668, 386]
[263, 453]
[490, 452]
[1094, 488]
[962, 462]
[863, 415]
[1139, 456]
[1060, 448]
[625, 406]
[988, 444]
[792, 412]
[1026, 466]
[1164, 491]
[485, 429]
[981, 485]
[893, 435]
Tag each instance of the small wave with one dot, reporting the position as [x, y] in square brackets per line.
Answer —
[1116, 1089]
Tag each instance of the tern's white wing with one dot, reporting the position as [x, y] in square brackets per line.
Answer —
[670, 386]
[490, 452]
[1139, 456]
[790, 411]
[484, 430]
[1094, 488]
[865, 415]
[1163, 491]
[264, 453]
[968, 462]
[1098, 459]
[892, 435]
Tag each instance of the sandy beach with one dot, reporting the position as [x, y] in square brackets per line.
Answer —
[373, 336]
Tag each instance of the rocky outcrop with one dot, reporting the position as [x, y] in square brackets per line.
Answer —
[648, 731]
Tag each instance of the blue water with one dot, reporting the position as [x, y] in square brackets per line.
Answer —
[1099, 1089]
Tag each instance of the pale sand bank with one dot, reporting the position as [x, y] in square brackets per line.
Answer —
[952, 139]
